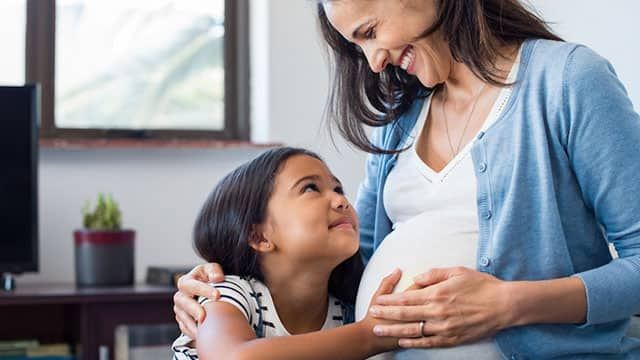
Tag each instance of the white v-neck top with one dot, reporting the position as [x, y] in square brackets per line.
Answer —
[414, 189]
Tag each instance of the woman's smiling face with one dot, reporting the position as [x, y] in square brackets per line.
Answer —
[388, 32]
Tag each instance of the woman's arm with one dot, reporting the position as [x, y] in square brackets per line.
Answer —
[603, 146]
[559, 301]
[226, 334]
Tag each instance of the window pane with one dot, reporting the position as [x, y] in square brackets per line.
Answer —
[13, 25]
[140, 64]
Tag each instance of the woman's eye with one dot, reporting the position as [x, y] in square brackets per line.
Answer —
[310, 187]
[370, 33]
[339, 190]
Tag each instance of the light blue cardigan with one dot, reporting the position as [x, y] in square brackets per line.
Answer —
[558, 176]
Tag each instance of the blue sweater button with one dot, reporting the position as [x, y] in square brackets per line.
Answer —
[484, 261]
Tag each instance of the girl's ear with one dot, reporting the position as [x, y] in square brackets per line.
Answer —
[258, 242]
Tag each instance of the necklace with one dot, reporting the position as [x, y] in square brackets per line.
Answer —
[455, 151]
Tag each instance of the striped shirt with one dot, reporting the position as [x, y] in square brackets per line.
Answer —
[253, 299]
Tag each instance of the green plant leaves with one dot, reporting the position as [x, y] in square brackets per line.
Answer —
[105, 216]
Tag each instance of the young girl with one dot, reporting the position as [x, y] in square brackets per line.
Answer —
[282, 225]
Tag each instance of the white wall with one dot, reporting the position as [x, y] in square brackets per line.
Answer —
[161, 190]
[609, 27]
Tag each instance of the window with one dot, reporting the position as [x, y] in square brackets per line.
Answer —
[12, 17]
[140, 68]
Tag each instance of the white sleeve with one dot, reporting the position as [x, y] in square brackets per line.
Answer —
[233, 290]
[237, 292]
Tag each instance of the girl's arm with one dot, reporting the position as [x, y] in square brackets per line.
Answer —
[226, 334]
[192, 285]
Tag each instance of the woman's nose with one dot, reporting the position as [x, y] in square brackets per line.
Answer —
[377, 58]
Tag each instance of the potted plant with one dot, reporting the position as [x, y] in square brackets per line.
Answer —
[104, 252]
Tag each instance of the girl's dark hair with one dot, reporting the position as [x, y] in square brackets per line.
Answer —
[237, 203]
[475, 30]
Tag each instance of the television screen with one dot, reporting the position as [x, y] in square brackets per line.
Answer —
[19, 111]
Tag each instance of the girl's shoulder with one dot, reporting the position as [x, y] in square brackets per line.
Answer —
[241, 292]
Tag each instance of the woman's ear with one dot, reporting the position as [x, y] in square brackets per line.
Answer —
[258, 242]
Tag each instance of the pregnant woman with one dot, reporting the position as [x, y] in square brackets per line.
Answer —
[503, 163]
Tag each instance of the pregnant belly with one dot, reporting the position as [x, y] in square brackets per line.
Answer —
[436, 244]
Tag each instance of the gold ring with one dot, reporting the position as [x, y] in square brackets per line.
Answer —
[422, 328]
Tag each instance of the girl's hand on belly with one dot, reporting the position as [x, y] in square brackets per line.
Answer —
[381, 343]
[458, 305]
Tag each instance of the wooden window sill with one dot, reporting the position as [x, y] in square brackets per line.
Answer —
[149, 144]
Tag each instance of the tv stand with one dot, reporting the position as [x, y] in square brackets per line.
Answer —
[8, 282]
[64, 313]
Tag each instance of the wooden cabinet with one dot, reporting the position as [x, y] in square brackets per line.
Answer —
[81, 316]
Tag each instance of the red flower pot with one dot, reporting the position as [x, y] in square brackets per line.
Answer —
[104, 257]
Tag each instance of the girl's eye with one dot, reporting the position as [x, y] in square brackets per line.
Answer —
[310, 187]
[339, 190]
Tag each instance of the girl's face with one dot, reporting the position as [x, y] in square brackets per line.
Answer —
[309, 219]
[387, 32]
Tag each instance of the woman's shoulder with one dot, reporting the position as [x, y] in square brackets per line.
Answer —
[545, 46]
[552, 58]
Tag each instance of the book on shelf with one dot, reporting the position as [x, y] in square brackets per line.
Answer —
[50, 350]
[8, 345]
[165, 275]
[139, 342]
[45, 357]
[32, 349]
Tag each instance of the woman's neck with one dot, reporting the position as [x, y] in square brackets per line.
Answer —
[462, 84]
[300, 297]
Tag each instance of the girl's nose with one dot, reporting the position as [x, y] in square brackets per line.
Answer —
[340, 202]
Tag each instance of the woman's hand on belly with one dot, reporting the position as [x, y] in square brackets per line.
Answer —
[458, 305]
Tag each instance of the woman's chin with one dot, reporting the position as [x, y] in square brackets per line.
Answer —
[427, 81]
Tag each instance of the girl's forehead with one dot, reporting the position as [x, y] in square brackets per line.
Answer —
[301, 166]
[303, 163]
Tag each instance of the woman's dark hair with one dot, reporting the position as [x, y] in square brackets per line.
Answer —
[476, 31]
[238, 203]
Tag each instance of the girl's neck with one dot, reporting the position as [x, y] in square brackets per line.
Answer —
[300, 297]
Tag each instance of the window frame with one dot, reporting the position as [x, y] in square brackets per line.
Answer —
[40, 68]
